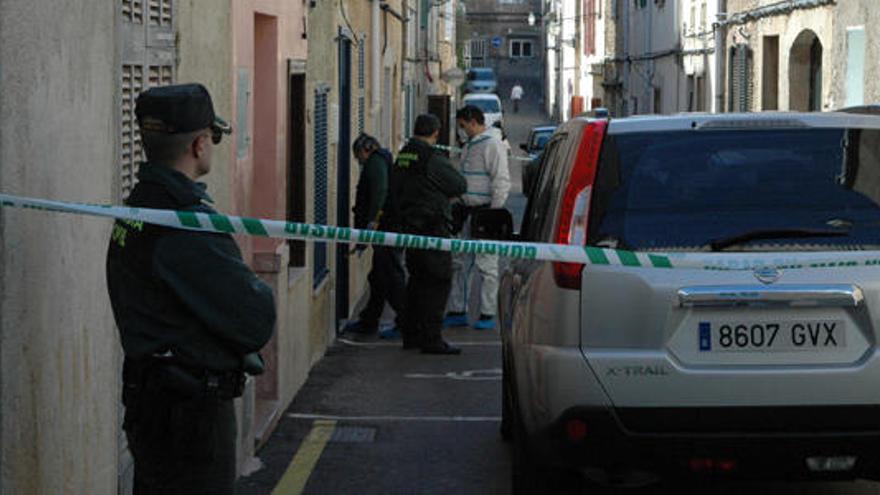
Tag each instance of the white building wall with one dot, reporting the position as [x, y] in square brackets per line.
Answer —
[59, 352]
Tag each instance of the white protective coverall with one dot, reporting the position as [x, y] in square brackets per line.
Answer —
[484, 166]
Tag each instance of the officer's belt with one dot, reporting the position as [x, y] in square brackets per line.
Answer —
[169, 374]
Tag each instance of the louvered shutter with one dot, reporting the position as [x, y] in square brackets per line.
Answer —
[148, 56]
[320, 160]
[362, 84]
[740, 78]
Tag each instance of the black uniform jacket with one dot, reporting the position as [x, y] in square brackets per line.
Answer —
[185, 292]
[422, 184]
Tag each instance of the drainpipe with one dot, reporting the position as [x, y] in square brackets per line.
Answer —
[376, 58]
[720, 54]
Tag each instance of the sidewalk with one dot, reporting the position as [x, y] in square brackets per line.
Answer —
[403, 422]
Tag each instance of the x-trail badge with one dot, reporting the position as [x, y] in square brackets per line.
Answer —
[767, 274]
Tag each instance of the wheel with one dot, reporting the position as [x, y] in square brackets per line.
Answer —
[529, 476]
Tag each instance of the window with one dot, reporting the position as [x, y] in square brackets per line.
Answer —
[740, 75]
[520, 48]
[147, 28]
[770, 74]
[680, 190]
[703, 17]
[540, 215]
[320, 158]
[855, 66]
[590, 27]
[361, 84]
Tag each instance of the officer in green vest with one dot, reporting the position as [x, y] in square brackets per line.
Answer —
[422, 183]
[190, 313]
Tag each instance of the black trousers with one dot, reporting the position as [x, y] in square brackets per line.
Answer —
[179, 444]
[387, 283]
[430, 280]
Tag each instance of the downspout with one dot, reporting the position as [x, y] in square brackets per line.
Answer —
[720, 53]
[376, 59]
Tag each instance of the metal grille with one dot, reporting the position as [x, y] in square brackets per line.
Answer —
[321, 254]
[361, 78]
[133, 11]
[132, 148]
[160, 12]
[740, 78]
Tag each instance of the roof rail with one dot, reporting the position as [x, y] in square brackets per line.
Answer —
[862, 109]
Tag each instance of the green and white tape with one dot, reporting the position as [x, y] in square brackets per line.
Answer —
[279, 229]
[453, 149]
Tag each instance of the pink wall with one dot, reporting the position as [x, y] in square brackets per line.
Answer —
[266, 34]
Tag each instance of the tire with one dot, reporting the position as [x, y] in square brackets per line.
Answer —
[529, 476]
[506, 408]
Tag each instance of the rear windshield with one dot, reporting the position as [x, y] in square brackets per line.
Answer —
[482, 75]
[485, 104]
[683, 190]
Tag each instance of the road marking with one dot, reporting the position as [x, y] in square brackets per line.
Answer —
[297, 475]
[448, 419]
[493, 374]
[488, 343]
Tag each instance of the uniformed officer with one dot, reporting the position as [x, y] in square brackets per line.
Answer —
[387, 277]
[423, 183]
[191, 314]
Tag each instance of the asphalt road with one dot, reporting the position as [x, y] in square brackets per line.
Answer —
[373, 418]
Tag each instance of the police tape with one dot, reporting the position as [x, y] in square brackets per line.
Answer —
[279, 229]
[453, 149]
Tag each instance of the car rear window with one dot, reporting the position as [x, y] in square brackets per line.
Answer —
[539, 139]
[682, 190]
[482, 75]
[485, 104]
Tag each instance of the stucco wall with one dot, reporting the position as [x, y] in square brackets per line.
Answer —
[851, 13]
[59, 351]
[819, 20]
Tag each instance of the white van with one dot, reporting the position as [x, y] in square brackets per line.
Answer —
[489, 103]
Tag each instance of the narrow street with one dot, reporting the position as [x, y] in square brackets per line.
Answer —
[399, 422]
[374, 419]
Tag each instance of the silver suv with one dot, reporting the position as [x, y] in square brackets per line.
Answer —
[629, 373]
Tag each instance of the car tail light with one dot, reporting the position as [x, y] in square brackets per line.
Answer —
[575, 430]
[575, 211]
[704, 464]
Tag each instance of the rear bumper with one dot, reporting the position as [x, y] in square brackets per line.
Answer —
[761, 453]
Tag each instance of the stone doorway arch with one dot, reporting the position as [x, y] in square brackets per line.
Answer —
[805, 73]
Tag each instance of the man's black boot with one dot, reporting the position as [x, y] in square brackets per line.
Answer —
[441, 347]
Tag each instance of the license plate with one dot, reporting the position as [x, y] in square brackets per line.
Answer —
[771, 336]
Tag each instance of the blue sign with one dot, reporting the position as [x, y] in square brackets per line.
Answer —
[496, 42]
[705, 336]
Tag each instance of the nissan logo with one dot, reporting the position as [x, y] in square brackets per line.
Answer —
[767, 274]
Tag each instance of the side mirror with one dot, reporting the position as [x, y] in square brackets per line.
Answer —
[492, 223]
[524, 147]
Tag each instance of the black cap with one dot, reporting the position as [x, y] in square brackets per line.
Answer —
[178, 108]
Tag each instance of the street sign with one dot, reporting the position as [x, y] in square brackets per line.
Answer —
[496, 42]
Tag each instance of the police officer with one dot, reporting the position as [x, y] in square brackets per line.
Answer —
[423, 183]
[191, 314]
[484, 164]
[387, 278]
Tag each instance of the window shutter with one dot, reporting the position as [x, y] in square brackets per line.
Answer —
[320, 159]
[133, 11]
[160, 13]
[740, 78]
[361, 81]
[147, 61]
[132, 149]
